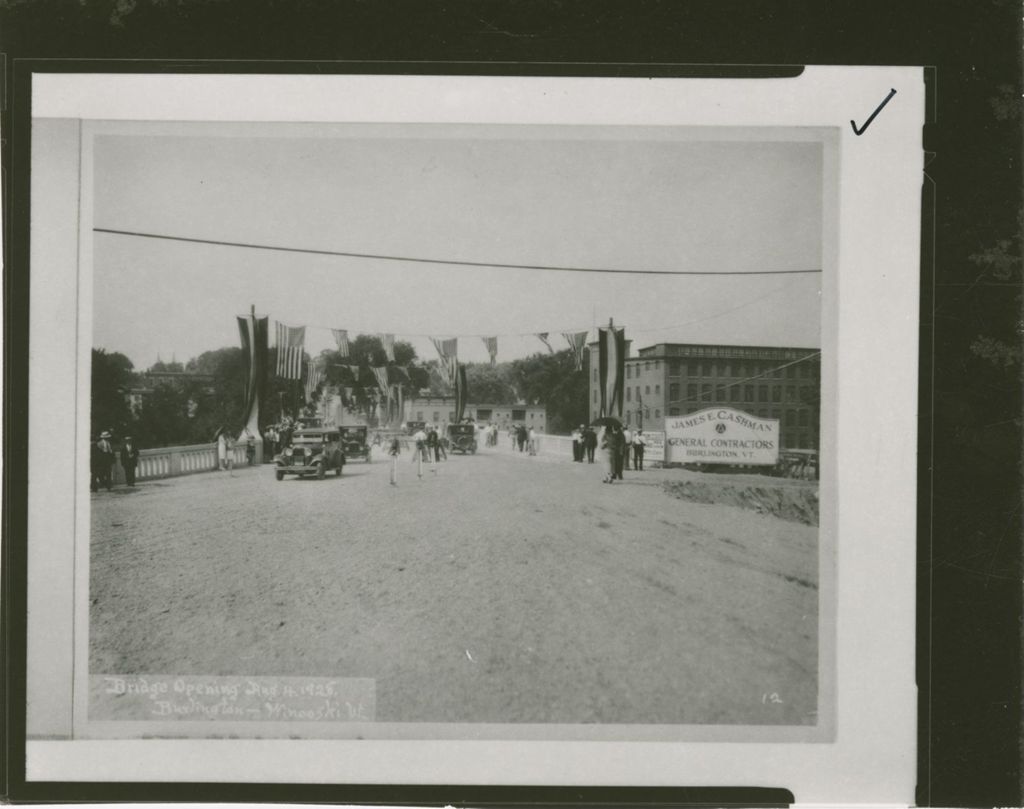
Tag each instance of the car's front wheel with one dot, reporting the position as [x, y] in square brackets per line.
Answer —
[279, 476]
[320, 472]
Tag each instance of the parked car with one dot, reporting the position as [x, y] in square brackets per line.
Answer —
[462, 438]
[312, 451]
[353, 441]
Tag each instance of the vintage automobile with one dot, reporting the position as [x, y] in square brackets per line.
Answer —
[462, 438]
[313, 451]
[353, 441]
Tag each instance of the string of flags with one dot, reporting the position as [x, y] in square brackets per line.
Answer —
[291, 344]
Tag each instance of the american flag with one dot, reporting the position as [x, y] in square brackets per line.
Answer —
[448, 350]
[289, 351]
[492, 348]
[314, 376]
[543, 337]
[577, 342]
[341, 338]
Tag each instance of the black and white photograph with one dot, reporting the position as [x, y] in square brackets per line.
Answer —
[455, 425]
[407, 424]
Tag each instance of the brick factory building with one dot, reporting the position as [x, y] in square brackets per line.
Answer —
[674, 379]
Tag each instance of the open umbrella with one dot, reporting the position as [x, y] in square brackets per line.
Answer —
[606, 421]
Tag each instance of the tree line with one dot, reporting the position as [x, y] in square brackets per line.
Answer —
[178, 404]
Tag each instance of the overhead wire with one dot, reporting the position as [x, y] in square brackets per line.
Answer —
[450, 262]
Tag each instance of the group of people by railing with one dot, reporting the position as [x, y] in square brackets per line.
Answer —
[103, 457]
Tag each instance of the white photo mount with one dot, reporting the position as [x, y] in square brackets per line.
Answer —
[862, 750]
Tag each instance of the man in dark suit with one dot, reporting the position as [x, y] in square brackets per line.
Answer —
[590, 443]
[104, 461]
[129, 460]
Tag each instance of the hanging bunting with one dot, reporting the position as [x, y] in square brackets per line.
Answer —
[341, 338]
[448, 350]
[290, 342]
[381, 372]
[612, 363]
[577, 342]
[492, 348]
[388, 341]
[543, 337]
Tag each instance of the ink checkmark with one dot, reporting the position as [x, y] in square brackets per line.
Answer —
[867, 123]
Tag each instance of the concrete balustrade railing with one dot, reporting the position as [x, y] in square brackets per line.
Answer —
[169, 462]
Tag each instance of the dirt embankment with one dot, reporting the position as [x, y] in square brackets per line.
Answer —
[788, 500]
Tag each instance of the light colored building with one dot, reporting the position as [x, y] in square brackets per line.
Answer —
[441, 410]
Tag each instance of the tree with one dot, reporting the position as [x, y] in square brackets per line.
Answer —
[552, 380]
[366, 351]
[112, 379]
[490, 385]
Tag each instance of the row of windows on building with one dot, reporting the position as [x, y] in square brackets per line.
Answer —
[722, 394]
[742, 370]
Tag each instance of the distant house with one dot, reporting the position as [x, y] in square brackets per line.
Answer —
[441, 410]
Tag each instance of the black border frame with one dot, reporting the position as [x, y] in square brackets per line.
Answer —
[968, 650]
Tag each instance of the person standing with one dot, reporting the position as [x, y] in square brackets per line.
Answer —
[577, 444]
[608, 452]
[420, 440]
[638, 451]
[105, 461]
[590, 443]
[129, 460]
[531, 440]
[618, 441]
[627, 436]
[229, 453]
[394, 451]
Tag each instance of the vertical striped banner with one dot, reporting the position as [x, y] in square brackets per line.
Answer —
[290, 342]
[253, 333]
[461, 392]
[612, 365]
[388, 341]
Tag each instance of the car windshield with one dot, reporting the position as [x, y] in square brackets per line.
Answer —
[309, 438]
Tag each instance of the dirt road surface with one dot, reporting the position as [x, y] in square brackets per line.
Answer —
[499, 588]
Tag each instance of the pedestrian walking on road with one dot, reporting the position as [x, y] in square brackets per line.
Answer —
[589, 443]
[394, 450]
[129, 460]
[608, 455]
[101, 461]
[229, 454]
[619, 446]
[638, 451]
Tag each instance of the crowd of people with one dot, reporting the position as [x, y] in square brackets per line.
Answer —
[618, 445]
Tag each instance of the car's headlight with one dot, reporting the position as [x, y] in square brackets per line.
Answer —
[288, 452]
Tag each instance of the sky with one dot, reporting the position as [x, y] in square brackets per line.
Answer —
[607, 198]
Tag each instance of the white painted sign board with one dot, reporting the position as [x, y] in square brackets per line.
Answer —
[722, 435]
